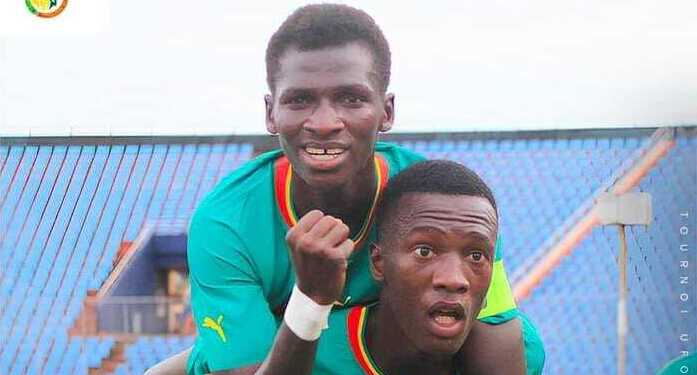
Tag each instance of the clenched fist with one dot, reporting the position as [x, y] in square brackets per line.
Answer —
[319, 248]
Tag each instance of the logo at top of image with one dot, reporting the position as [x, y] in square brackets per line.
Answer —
[46, 8]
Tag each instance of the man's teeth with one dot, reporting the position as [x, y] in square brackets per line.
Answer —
[314, 151]
[324, 156]
[444, 319]
[323, 151]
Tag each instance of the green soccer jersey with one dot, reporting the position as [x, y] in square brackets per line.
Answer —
[240, 271]
[342, 349]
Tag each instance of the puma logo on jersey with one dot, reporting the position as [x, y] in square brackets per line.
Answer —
[215, 325]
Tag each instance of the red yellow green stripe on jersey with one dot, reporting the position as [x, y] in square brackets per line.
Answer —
[283, 173]
[357, 320]
[356, 323]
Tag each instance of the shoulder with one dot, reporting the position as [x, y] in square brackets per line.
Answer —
[222, 222]
[251, 183]
[397, 157]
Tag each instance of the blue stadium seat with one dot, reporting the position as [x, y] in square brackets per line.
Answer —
[64, 211]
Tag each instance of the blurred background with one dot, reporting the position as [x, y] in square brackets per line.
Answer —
[116, 118]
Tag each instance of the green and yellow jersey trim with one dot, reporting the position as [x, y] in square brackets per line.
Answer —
[356, 322]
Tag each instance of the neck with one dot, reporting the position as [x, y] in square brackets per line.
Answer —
[349, 202]
[394, 353]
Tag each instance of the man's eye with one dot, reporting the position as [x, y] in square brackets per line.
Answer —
[423, 252]
[477, 256]
[351, 99]
[299, 100]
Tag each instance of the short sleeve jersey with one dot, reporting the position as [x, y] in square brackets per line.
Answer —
[241, 275]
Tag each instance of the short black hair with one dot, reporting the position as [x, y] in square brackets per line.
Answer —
[318, 26]
[433, 176]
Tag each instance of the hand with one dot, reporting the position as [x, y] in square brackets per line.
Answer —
[320, 248]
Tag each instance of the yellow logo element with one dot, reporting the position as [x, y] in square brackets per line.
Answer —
[46, 8]
[215, 325]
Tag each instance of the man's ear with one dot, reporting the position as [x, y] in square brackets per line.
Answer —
[388, 108]
[376, 262]
[270, 121]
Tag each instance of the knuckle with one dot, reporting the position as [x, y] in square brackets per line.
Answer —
[327, 220]
[313, 215]
[304, 244]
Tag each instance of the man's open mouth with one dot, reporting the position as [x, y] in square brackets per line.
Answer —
[446, 314]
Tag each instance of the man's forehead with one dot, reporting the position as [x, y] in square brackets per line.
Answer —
[416, 202]
[416, 210]
[340, 65]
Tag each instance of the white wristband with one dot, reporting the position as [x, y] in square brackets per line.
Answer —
[305, 317]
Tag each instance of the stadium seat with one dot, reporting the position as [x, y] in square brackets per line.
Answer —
[64, 209]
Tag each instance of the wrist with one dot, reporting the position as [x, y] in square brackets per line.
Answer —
[305, 317]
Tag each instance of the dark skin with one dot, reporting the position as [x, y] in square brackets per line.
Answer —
[435, 262]
[325, 99]
[330, 99]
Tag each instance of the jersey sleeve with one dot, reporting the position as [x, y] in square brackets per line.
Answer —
[500, 305]
[234, 323]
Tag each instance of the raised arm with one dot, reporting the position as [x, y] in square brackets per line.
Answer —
[320, 248]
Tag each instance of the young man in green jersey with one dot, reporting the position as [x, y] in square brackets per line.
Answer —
[434, 258]
[328, 68]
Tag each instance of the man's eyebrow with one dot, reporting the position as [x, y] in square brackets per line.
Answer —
[349, 87]
[475, 236]
[426, 228]
[294, 91]
[354, 87]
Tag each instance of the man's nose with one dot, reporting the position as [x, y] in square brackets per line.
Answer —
[324, 121]
[450, 276]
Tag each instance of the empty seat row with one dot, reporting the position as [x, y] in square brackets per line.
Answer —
[64, 211]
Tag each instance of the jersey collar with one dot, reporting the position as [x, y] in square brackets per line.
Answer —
[357, 321]
[283, 173]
